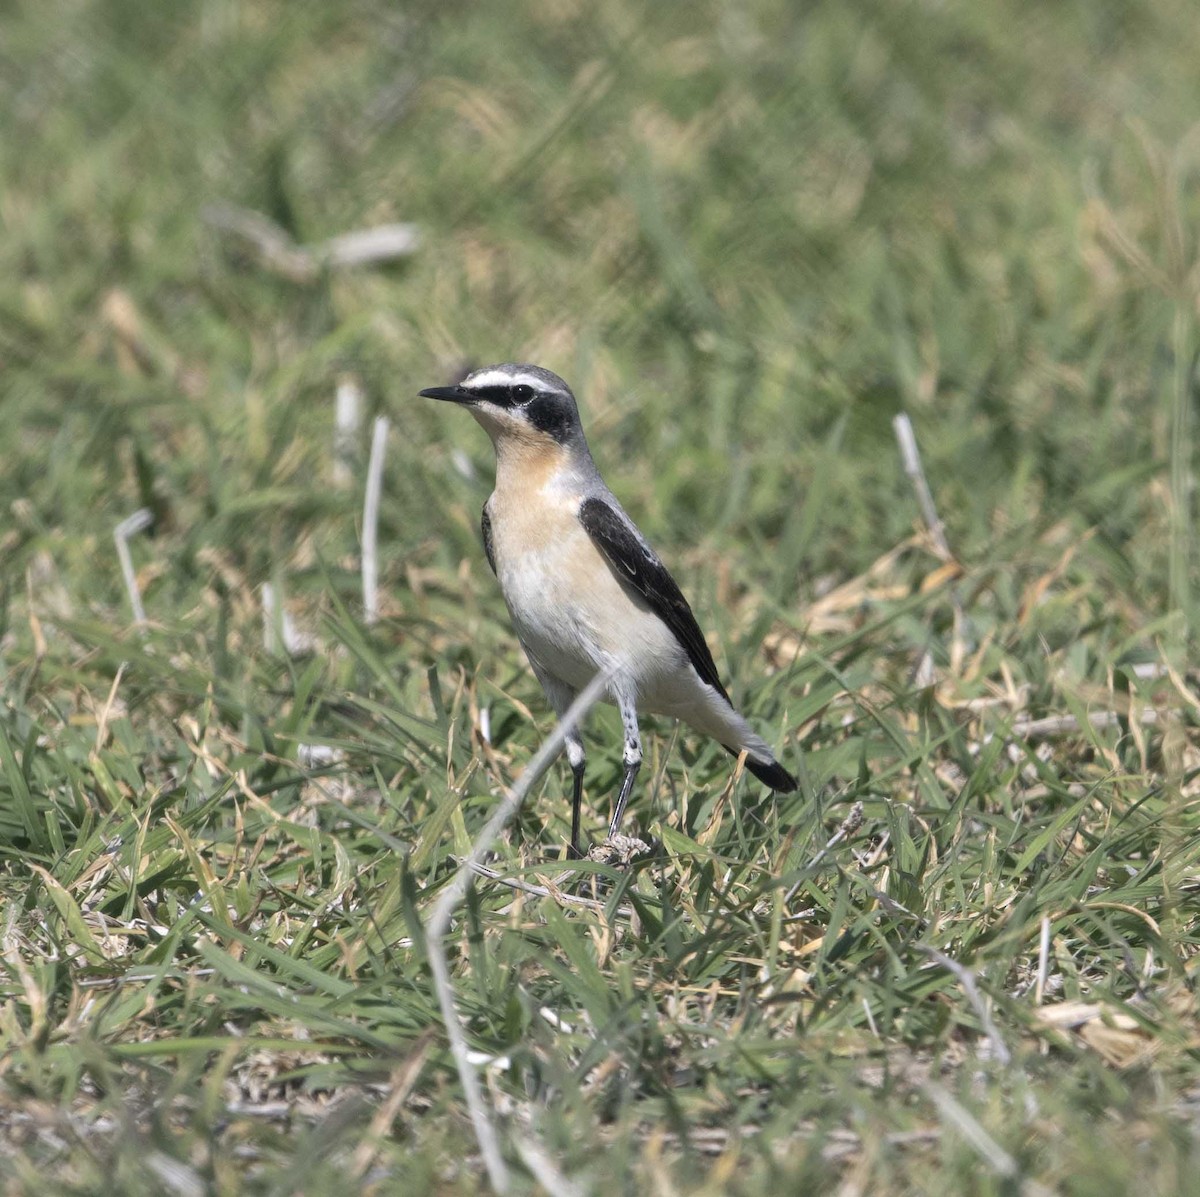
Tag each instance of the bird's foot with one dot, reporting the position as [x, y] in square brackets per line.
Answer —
[619, 850]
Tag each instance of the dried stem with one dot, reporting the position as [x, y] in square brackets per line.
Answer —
[544, 1169]
[131, 526]
[1000, 1161]
[275, 250]
[1043, 962]
[370, 532]
[1058, 725]
[346, 421]
[453, 894]
[546, 891]
[911, 458]
[848, 826]
[996, 1158]
[966, 979]
[925, 675]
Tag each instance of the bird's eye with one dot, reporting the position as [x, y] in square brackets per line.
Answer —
[522, 393]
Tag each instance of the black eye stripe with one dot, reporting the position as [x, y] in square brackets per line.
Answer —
[503, 395]
[496, 394]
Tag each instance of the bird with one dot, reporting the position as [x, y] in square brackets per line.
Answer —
[584, 589]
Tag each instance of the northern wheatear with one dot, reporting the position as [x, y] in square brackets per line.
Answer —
[585, 591]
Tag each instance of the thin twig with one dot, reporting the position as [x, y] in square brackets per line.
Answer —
[544, 1169]
[542, 891]
[886, 901]
[866, 1005]
[142, 978]
[1043, 962]
[966, 979]
[271, 635]
[1182, 477]
[925, 675]
[1057, 725]
[848, 826]
[141, 519]
[968, 1126]
[453, 894]
[175, 1176]
[364, 247]
[275, 249]
[280, 633]
[370, 533]
[400, 1084]
[106, 710]
[911, 458]
[346, 421]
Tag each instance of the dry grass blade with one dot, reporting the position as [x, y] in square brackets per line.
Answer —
[276, 251]
[545, 891]
[400, 1085]
[370, 533]
[139, 521]
[848, 826]
[544, 1170]
[967, 980]
[911, 457]
[439, 922]
[957, 1115]
[347, 416]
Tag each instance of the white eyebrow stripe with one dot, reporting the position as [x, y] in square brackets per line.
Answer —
[502, 378]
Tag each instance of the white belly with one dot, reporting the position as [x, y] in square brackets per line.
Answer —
[574, 618]
[572, 615]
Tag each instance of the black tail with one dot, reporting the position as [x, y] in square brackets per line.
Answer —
[770, 773]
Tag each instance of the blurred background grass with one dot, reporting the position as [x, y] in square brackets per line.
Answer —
[752, 233]
[748, 235]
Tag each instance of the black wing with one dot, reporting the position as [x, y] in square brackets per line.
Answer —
[638, 567]
[485, 523]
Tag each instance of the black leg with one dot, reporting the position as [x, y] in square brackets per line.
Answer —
[631, 771]
[576, 805]
[575, 755]
[632, 757]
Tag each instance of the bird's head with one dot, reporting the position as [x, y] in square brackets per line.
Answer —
[518, 405]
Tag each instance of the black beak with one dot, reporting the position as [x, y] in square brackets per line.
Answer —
[455, 394]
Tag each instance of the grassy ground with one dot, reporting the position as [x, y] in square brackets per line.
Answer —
[749, 234]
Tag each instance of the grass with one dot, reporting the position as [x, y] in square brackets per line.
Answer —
[749, 236]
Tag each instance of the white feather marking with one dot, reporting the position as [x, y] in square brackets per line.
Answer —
[490, 376]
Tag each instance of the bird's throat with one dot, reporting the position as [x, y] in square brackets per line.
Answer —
[528, 462]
